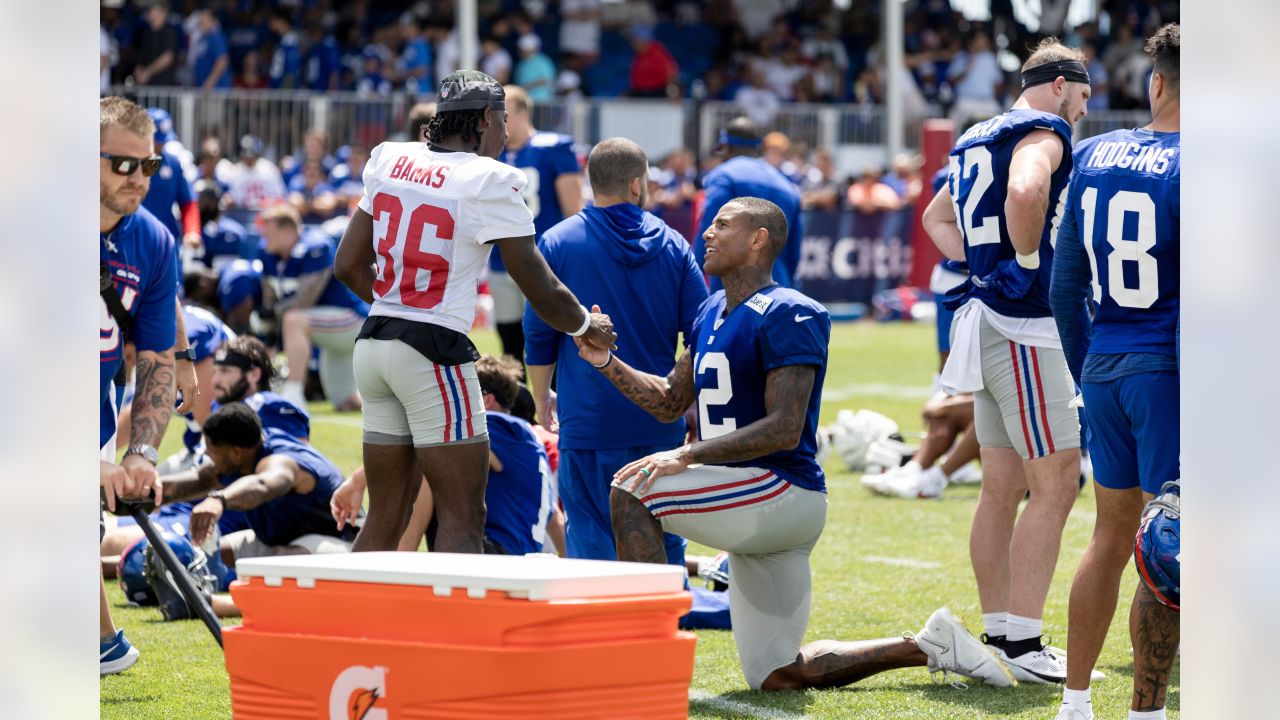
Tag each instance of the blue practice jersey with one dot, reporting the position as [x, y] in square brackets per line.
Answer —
[168, 194]
[205, 334]
[222, 241]
[543, 159]
[733, 355]
[978, 182]
[139, 256]
[753, 177]
[274, 412]
[518, 498]
[1124, 207]
[281, 520]
[312, 253]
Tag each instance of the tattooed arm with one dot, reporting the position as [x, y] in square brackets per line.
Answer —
[786, 400]
[190, 484]
[275, 475]
[310, 287]
[665, 398]
[153, 401]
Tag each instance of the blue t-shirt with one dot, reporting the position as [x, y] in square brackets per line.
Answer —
[640, 272]
[212, 45]
[979, 184]
[312, 253]
[733, 355]
[285, 70]
[205, 334]
[543, 159]
[518, 498]
[417, 55]
[753, 177]
[321, 64]
[537, 75]
[1123, 215]
[274, 412]
[222, 241]
[139, 256]
[282, 520]
[169, 188]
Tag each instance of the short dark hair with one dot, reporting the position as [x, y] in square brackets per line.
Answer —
[613, 164]
[463, 123]
[500, 377]
[745, 129]
[1164, 48]
[760, 213]
[234, 425]
[419, 116]
[254, 349]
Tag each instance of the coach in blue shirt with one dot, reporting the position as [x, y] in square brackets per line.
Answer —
[643, 274]
[745, 174]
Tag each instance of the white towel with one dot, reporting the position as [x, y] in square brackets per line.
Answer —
[963, 371]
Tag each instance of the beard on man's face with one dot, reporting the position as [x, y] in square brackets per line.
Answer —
[124, 200]
[237, 392]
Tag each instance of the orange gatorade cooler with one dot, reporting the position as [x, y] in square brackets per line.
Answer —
[412, 636]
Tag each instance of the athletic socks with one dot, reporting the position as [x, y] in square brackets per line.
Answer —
[292, 391]
[1024, 628]
[995, 625]
[1152, 715]
[1078, 700]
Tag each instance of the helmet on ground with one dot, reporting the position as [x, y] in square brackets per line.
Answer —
[172, 604]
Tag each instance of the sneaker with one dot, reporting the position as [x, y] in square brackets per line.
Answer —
[912, 482]
[967, 475]
[1038, 666]
[116, 655]
[1094, 675]
[1070, 713]
[878, 482]
[951, 648]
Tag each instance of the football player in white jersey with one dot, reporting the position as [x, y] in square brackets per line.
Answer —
[415, 249]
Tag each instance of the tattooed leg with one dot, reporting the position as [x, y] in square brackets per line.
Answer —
[636, 532]
[1155, 632]
[830, 663]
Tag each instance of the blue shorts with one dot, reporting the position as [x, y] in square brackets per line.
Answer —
[585, 480]
[943, 319]
[1133, 423]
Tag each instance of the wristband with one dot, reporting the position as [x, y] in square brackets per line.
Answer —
[1030, 261]
[188, 354]
[604, 364]
[586, 323]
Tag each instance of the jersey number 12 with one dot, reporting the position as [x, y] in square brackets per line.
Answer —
[413, 259]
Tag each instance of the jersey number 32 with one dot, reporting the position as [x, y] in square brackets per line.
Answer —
[411, 258]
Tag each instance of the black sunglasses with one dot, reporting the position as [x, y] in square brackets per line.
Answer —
[125, 165]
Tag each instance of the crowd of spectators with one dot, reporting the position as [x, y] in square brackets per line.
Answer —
[761, 53]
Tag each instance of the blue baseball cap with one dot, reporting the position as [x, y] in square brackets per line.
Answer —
[164, 124]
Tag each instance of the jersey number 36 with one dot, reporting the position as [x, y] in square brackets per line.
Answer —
[406, 259]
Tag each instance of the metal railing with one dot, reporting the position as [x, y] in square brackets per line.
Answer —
[280, 117]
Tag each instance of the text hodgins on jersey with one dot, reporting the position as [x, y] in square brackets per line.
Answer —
[433, 174]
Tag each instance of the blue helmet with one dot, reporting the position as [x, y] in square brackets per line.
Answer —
[133, 583]
[163, 588]
[1157, 548]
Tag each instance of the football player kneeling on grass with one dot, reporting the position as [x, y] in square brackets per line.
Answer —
[281, 485]
[751, 485]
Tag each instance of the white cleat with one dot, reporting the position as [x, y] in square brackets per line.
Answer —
[1038, 666]
[1070, 713]
[967, 475]
[878, 483]
[1094, 675]
[909, 481]
[950, 647]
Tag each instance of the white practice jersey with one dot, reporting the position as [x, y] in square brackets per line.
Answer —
[254, 187]
[434, 214]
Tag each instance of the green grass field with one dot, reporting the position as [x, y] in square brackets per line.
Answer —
[861, 591]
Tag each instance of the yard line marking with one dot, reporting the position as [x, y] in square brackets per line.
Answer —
[741, 708]
[908, 392]
[902, 562]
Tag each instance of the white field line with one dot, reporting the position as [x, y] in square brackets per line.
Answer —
[906, 392]
[902, 562]
[741, 708]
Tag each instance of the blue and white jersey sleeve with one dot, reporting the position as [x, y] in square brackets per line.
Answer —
[795, 335]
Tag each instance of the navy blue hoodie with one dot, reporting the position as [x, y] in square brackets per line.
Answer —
[643, 275]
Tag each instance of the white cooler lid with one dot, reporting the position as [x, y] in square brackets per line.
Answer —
[531, 577]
